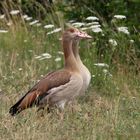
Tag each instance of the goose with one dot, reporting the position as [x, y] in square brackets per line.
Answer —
[58, 87]
[86, 75]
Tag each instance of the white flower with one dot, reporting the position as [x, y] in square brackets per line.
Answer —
[71, 21]
[33, 22]
[25, 16]
[20, 69]
[2, 16]
[95, 26]
[132, 41]
[78, 24]
[28, 18]
[113, 42]
[57, 59]
[25, 41]
[9, 23]
[85, 28]
[43, 56]
[101, 65]
[14, 12]
[30, 51]
[38, 24]
[96, 30]
[120, 16]
[124, 30]
[92, 18]
[106, 72]
[46, 55]
[92, 23]
[5, 78]
[48, 26]
[60, 52]
[38, 57]
[103, 34]
[54, 31]
[3, 31]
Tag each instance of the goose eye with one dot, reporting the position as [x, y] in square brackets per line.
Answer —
[72, 30]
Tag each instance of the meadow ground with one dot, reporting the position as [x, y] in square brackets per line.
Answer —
[110, 110]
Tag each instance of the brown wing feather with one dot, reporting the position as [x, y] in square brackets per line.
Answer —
[51, 80]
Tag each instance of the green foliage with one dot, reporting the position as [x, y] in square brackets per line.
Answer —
[104, 9]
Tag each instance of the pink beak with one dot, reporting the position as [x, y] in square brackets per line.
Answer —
[84, 35]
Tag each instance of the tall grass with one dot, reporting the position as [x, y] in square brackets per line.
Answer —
[110, 108]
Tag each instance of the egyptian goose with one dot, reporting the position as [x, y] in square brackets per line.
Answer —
[83, 69]
[58, 87]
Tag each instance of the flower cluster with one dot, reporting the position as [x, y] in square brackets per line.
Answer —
[92, 23]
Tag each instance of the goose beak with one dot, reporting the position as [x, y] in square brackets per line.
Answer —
[84, 35]
[88, 36]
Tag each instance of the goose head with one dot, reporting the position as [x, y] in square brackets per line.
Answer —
[73, 33]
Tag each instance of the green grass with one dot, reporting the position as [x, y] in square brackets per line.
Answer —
[109, 110]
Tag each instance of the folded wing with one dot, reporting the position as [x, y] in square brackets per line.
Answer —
[40, 90]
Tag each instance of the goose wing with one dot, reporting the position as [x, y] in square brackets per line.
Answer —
[40, 90]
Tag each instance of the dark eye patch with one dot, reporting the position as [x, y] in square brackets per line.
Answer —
[72, 30]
